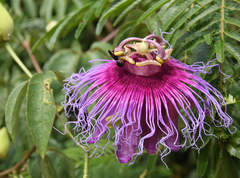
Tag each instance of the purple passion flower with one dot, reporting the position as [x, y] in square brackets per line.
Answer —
[147, 98]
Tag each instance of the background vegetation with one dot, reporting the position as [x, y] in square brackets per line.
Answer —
[85, 30]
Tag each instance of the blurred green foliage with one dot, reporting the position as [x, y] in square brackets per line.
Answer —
[86, 30]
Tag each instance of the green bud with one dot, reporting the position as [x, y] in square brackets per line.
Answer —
[6, 24]
[5, 142]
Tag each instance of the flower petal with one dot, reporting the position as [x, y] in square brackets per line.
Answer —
[171, 121]
[127, 146]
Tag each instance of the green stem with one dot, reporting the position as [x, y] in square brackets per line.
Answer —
[222, 37]
[86, 164]
[18, 61]
[150, 164]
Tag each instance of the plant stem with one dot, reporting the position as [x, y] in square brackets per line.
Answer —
[222, 37]
[86, 164]
[110, 36]
[32, 57]
[222, 19]
[150, 164]
[12, 169]
[86, 161]
[18, 61]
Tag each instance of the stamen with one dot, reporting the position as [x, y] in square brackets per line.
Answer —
[128, 59]
[148, 62]
[119, 53]
[159, 60]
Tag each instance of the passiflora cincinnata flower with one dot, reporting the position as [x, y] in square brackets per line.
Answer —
[141, 96]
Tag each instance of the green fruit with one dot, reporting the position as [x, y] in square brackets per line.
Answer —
[5, 142]
[6, 24]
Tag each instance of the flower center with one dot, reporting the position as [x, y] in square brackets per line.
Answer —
[150, 50]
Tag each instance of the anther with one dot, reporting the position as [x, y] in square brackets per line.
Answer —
[118, 53]
[148, 62]
[159, 60]
[128, 59]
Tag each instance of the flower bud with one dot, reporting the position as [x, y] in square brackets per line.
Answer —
[50, 25]
[6, 24]
[5, 142]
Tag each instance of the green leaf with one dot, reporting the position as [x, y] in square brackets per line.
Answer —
[115, 8]
[233, 50]
[166, 7]
[3, 99]
[13, 107]
[40, 111]
[30, 8]
[34, 168]
[46, 9]
[227, 167]
[126, 11]
[47, 168]
[100, 7]
[190, 45]
[45, 36]
[206, 12]
[233, 35]
[219, 46]
[16, 7]
[60, 8]
[133, 16]
[123, 32]
[61, 76]
[208, 37]
[54, 165]
[232, 6]
[74, 153]
[58, 30]
[233, 146]
[194, 31]
[176, 13]
[152, 9]
[76, 46]
[101, 46]
[64, 23]
[100, 26]
[183, 18]
[65, 60]
[49, 76]
[202, 160]
[85, 20]
[62, 165]
[235, 151]
[233, 21]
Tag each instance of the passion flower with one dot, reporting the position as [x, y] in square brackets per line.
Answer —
[142, 95]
